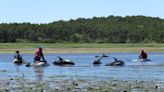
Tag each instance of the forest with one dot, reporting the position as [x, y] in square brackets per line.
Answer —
[111, 29]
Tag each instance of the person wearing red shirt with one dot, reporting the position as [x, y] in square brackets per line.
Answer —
[38, 55]
[143, 55]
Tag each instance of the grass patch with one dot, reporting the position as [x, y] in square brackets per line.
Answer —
[80, 48]
[76, 45]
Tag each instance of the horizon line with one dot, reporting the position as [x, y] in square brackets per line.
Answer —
[66, 20]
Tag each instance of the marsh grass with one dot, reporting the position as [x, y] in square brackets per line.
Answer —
[77, 45]
[80, 48]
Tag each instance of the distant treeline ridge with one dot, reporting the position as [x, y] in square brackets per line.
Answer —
[112, 29]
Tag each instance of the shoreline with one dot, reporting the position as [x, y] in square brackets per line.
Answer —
[80, 47]
[83, 50]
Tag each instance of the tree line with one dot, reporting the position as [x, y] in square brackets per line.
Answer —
[111, 29]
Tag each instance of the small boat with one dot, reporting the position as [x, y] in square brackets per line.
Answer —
[63, 62]
[116, 62]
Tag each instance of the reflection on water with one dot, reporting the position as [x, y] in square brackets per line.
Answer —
[38, 72]
[153, 69]
[17, 68]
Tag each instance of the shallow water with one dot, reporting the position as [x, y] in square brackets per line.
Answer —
[151, 70]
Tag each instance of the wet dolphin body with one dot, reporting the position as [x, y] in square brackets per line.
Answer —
[39, 63]
[103, 55]
[62, 61]
[98, 61]
[116, 62]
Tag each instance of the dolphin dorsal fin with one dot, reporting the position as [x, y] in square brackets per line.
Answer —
[99, 59]
[60, 58]
[115, 59]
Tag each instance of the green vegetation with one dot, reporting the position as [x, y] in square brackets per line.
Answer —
[112, 29]
[80, 48]
[76, 45]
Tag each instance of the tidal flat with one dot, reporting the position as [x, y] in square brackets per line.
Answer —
[80, 85]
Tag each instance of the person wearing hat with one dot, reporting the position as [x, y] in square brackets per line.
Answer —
[38, 55]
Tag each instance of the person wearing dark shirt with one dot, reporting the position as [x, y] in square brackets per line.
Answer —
[18, 57]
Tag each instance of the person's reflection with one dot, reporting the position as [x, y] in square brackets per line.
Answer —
[38, 72]
[17, 68]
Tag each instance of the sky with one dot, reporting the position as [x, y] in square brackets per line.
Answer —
[46, 11]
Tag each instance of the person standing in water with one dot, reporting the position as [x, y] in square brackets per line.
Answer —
[143, 55]
[38, 55]
[18, 57]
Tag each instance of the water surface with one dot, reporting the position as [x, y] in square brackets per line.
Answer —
[152, 70]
